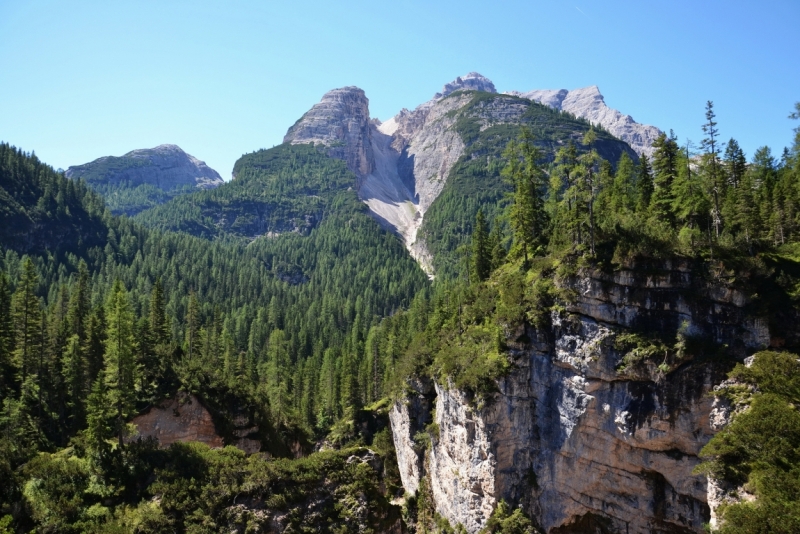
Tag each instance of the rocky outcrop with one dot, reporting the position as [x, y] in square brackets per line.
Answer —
[589, 104]
[582, 439]
[182, 418]
[166, 167]
[471, 82]
[403, 164]
[340, 121]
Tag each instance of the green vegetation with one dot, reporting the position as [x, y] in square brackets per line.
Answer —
[278, 298]
[759, 451]
[475, 181]
[113, 316]
[124, 196]
[288, 188]
[191, 488]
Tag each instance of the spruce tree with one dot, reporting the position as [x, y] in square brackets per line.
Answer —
[644, 184]
[481, 249]
[6, 338]
[27, 317]
[665, 170]
[735, 163]
[120, 365]
[711, 165]
[526, 214]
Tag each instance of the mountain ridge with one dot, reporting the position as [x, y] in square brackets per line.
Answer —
[145, 177]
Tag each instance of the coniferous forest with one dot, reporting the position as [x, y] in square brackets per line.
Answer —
[277, 296]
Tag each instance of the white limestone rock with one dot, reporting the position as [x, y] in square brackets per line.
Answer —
[588, 103]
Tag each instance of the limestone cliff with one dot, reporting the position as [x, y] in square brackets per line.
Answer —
[340, 121]
[404, 163]
[581, 435]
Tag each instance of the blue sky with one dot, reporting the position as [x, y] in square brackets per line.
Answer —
[81, 79]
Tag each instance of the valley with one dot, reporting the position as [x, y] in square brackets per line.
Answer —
[508, 312]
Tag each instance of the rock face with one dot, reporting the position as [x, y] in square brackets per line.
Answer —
[403, 164]
[589, 104]
[184, 418]
[471, 82]
[340, 121]
[180, 419]
[582, 443]
[166, 166]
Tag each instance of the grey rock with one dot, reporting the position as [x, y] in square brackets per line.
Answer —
[572, 440]
[471, 82]
[341, 122]
[588, 103]
[165, 166]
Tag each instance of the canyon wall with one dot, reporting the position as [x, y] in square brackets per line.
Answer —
[579, 437]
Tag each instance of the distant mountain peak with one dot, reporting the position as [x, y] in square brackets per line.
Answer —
[470, 82]
[589, 103]
[167, 167]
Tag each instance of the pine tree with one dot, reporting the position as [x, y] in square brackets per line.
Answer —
[622, 195]
[159, 327]
[481, 249]
[588, 186]
[192, 327]
[278, 375]
[526, 215]
[120, 365]
[711, 164]
[665, 170]
[644, 184]
[6, 338]
[27, 316]
[735, 163]
[79, 303]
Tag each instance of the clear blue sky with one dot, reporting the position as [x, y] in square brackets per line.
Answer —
[81, 79]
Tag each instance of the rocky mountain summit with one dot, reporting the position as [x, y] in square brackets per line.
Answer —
[589, 104]
[471, 82]
[403, 164]
[165, 166]
[341, 122]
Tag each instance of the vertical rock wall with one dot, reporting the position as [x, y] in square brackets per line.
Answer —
[580, 443]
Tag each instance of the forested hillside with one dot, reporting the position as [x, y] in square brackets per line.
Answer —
[291, 303]
[144, 178]
[476, 182]
[277, 323]
[284, 189]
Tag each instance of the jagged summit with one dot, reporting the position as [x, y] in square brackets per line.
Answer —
[589, 103]
[471, 82]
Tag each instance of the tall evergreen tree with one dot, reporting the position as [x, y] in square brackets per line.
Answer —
[120, 365]
[644, 184]
[665, 170]
[6, 338]
[735, 163]
[481, 249]
[711, 164]
[526, 215]
[27, 317]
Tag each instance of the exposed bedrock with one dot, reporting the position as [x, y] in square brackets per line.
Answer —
[340, 121]
[581, 444]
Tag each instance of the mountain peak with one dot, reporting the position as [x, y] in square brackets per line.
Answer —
[471, 82]
[340, 121]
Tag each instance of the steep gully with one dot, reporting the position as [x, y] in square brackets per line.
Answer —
[403, 163]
